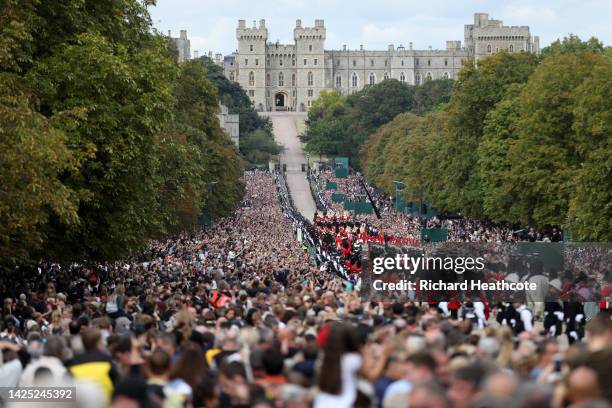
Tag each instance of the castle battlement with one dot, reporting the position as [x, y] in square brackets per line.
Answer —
[313, 33]
[254, 32]
[291, 76]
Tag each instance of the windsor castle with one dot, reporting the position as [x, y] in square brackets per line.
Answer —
[291, 76]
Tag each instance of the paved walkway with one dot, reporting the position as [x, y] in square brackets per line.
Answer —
[285, 133]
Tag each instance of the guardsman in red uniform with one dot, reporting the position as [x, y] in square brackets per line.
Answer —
[454, 304]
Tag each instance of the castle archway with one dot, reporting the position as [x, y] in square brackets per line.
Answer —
[280, 101]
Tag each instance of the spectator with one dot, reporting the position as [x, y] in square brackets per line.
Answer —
[49, 369]
[341, 363]
[94, 365]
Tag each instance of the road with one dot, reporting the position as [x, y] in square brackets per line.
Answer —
[285, 134]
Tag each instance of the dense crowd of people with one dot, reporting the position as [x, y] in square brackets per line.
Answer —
[260, 311]
[402, 225]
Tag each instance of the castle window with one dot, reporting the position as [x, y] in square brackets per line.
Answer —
[511, 48]
[310, 78]
[310, 48]
[308, 103]
[445, 76]
[372, 78]
[305, 61]
[428, 77]
[416, 62]
[429, 63]
[251, 93]
[246, 62]
[310, 93]
[315, 61]
[371, 63]
[402, 78]
[354, 63]
[292, 79]
[281, 79]
[386, 76]
[280, 62]
[268, 80]
[385, 63]
[251, 47]
[417, 79]
[231, 76]
[355, 79]
[251, 78]
[256, 61]
[446, 63]
[489, 48]
[338, 81]
[402, 63]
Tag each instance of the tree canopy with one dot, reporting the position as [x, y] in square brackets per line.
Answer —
[339, 125]
[572, 44]
[257, 143]
[522, 140]
[106, 142]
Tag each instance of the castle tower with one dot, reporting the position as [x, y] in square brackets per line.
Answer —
[486, 37]
[251, 61]
[310, 62]
[183, 46]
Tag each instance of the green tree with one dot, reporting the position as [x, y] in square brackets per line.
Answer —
[475, 93]
[34, 156]
[256, 139]
[327, 132]
[339, 125]
[235, 98]
[574, 45]
[403, 150]
[125, 145]
[431, 94]
[181, 174]
[386, 151]
[17, 22]
[127, 99]
[258, 147]
[196, 109]
[590, 209]
[547, 153]
[374, 106]
[197, 99]
[499, 134]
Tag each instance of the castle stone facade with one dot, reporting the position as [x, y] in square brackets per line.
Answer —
[280, 77]
[230, 123]
[183, 45]
[486, 37]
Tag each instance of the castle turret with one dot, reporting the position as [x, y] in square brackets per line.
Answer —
[251, 61]
[486, 37]
[183, 46]
[310, 60]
